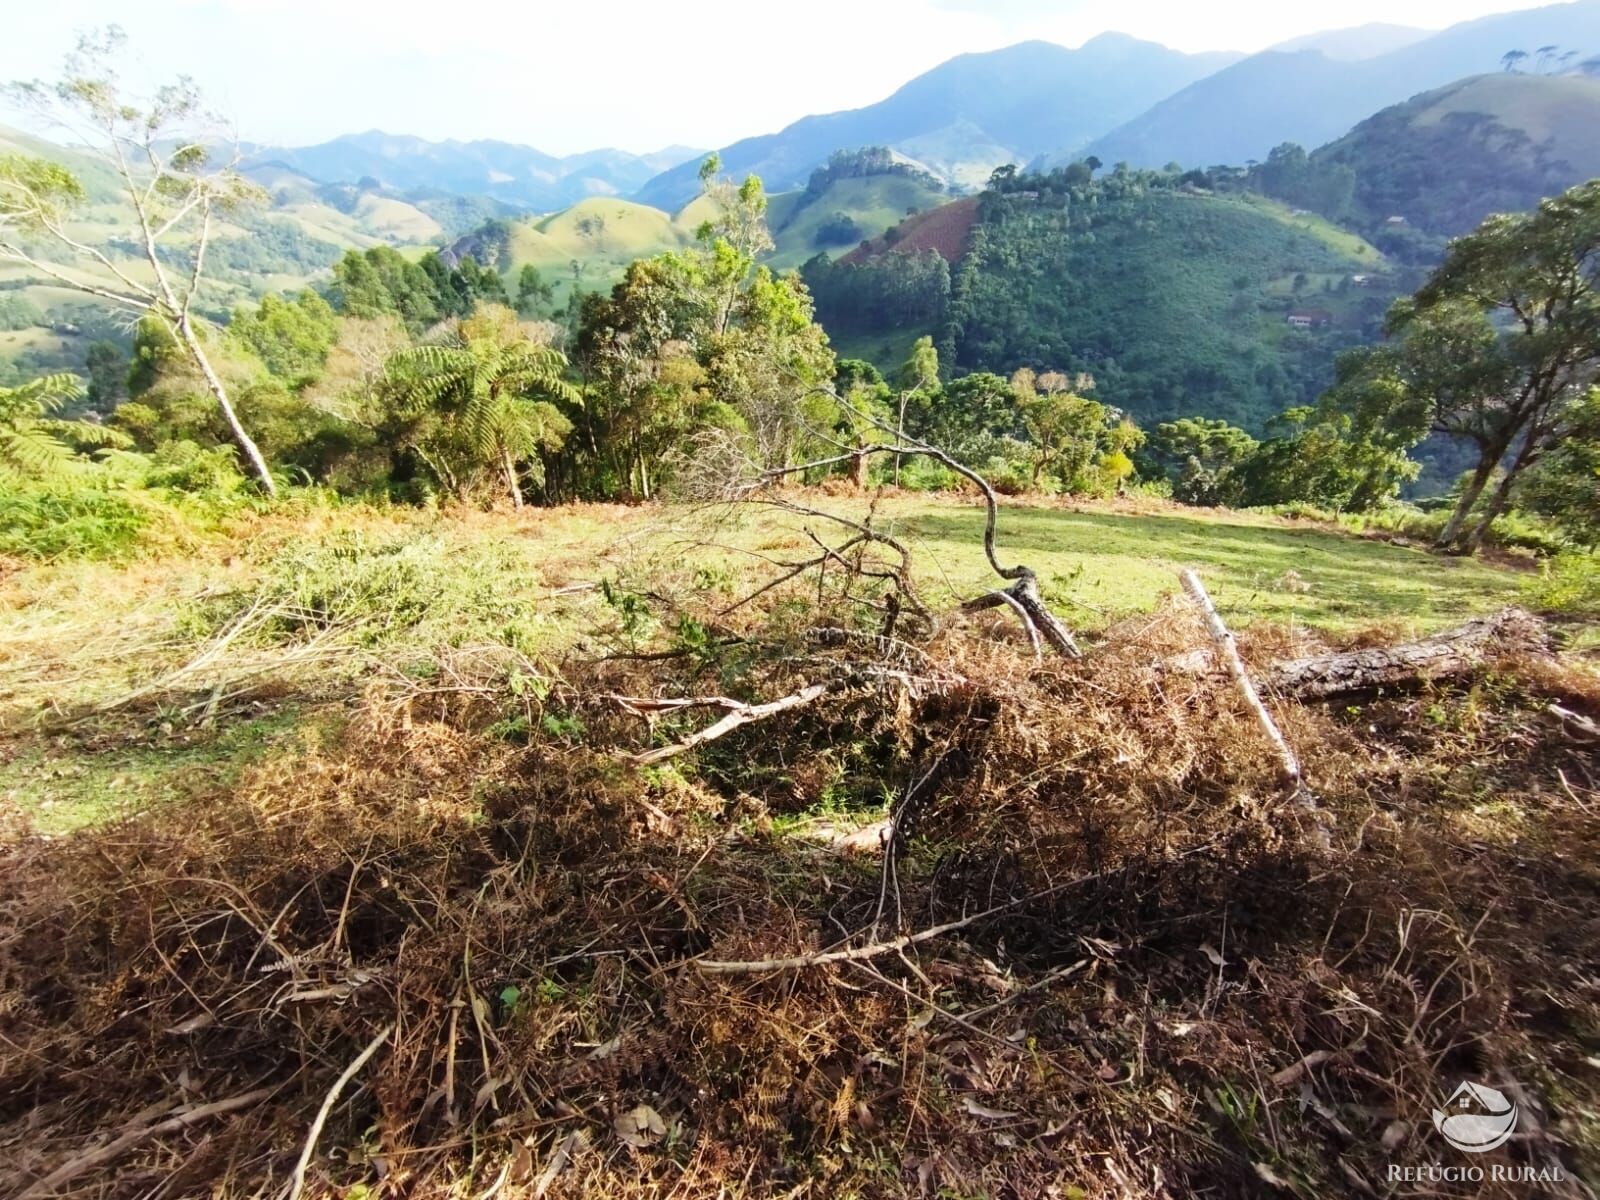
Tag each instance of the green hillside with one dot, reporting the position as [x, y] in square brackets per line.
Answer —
[593, 242]
[291, 237]
[1175, 300]
[1444, 160]
[801, 221]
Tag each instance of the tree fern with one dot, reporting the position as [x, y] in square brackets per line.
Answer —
[36, 445]
[489, 390]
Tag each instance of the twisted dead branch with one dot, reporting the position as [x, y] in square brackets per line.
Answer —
[1021, 593]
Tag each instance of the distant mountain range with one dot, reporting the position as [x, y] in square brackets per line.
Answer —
[1312, 95]
[1116, 97]
[973, 113]
[505, 171]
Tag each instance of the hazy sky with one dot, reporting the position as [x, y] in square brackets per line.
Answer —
[638, 74]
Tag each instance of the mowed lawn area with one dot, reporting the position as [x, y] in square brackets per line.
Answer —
[131, 684]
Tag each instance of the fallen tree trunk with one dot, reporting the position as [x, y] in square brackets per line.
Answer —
[1446, 655]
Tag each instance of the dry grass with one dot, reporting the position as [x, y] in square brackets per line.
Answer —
[1193, 985]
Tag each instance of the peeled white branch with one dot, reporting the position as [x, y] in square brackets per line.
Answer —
[1288, 764]
[740, 714]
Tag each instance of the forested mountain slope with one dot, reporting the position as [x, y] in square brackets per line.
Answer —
[1444, 160]
[1242, 111]
[1176, 300]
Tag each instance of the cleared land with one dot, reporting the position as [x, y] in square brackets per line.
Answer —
[356, 787]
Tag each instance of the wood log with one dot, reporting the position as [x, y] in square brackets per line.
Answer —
[1451, 654]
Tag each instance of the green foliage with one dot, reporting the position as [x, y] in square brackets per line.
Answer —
[884, 292]
[1163, 295]
[839, 229]
[1564, 485]
[415, 587]
[379, 282]
[1202, 458]
[107, 365]
[697, 340]
[35, 193]
[481, 402]
[534, 295]
[1313, 458]
[54, 522]
[273, 247]
[17, 312]
[1321, 184]
[290, 337]
[1568, 584]
[36, 445]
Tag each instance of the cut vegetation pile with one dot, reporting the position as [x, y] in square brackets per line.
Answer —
[494, 927]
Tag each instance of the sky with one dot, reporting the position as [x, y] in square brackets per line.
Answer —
[635, 74]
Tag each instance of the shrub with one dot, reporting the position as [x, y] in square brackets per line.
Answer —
[42, 522]
[1568, 584]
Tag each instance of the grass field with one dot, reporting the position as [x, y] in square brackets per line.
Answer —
[77, 636]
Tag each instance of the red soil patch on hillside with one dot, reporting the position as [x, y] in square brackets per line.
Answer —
[945, 229]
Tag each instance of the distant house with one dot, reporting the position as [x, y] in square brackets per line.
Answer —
[1361, 280]
[1310, 318]
[1396, 220]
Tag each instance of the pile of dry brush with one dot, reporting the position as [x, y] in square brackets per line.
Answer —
[563, 943]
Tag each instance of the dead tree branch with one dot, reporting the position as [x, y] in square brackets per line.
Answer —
[1289, 765]
[739, 714]
[70, 1170]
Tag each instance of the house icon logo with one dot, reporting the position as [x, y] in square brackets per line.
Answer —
[1476, 1118]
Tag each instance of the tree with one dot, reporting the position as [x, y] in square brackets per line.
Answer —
[534, 295]
[919, 374]
[1565, 485]
[107, 366]
[1546, 55]
[1525, 286]
[1203, 457]
[34, 444]
[481, 400]
[292, 337]
[158, 155]
[381, 281]
[1512, 59]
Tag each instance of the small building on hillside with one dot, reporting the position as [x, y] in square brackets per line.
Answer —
[1310, 318]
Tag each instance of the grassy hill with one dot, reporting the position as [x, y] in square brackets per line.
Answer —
[871, 203]
[1445, 159]
[593, 242]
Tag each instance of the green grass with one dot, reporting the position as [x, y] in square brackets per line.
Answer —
[886, 350]
[1339, 240]
[1123, 563]
[64, 784]
[412, 591]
